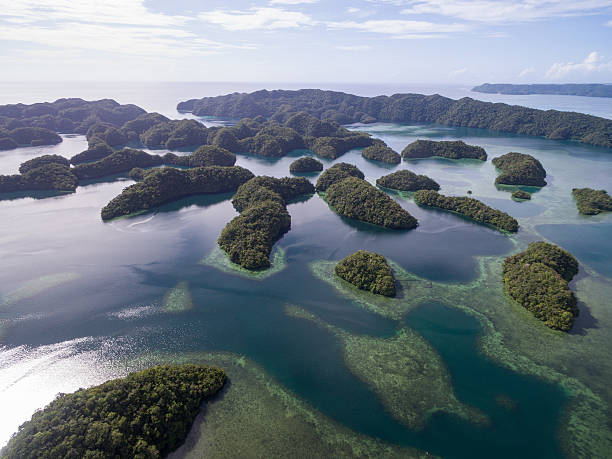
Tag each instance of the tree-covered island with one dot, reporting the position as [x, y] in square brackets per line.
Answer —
[468, 207]
[519, 169]
[592, 202]
[337, 172]
[520, 195]
[450, 149]
[44, 173]
[379, 151]
[367, 271]
[406, 180]
[538, 280]
[147, 414]
[305, 164]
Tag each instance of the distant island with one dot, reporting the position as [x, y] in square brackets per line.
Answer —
[572, 89]
[450, 149]
[344, 108]
[592, 202]
[406, 180]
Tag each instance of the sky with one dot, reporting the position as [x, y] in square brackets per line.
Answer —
[361, 41]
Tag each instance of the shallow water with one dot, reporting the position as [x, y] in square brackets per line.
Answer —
[82, 298]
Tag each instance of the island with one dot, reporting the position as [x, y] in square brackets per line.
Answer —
[355, 198]
[519, 169]
[567, 89]
[206, 155]
[406, 180]
[146, 414]
[380, 151]
[335, 173]
[468, 207]
[305, 165]
[44, 173]
[520, 195]
[367, 271]
[27, 137]
[450, 149]
[262, 202]
[346, 108]
[168, 184]
[120, 161]
[592, 202]
[538, 280]
[42, 161]
[97, 150]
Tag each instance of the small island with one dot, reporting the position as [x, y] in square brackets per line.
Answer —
[287, 188]
[379, 151]
[355, 198]
[519, 169]
[520, 195]
[27, 137]
[367, 271]
[586, 90]
[44, 173]
[406, 180]
[538, 280]
[468, 207]
[146, 414]
[337, 172]
[592, 202]
[305, 165]
[168, 184]
[450, 149]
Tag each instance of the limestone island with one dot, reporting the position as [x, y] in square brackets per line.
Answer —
[406, 180]
[335, 173]
[144, 415]
[468, 207]
[568, 89]
[538, 280]
[379, 151]
[27, 137]
[367, 271]
[355, 198]
[520, 195]
[248, 239]
[44, 173]
[519, 169]
[592, 202]
[168, 184]
[305, 164]
[450, 149]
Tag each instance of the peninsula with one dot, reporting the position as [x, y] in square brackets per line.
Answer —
[587, 90]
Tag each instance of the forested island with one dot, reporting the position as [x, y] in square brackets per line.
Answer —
[538, 280]
[380, 151]
[262, 203]
[592, 202]
[27, 137]
[355, 198]
[520, 195]
[337, 172]
[305, 164]
[406, 180]
[451, 149]
[567, 89]
[468, 207]
[44, 173]
[519, 169]
[146, 414]
[407, 108]
[367, 271]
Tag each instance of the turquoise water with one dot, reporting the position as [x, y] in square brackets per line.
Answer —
[83, 298]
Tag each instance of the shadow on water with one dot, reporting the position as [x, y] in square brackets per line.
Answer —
[32, 194]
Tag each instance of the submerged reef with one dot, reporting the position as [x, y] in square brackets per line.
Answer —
[355, 198]
[451, 149]
[520, 195]
[592, 202]
[305, 164]
[406, 180]
[519, 169]
[168, 184]
[145, 414]
[367, 271]
[468, 207]
[380, 151]
[337, 172]
[538, 280]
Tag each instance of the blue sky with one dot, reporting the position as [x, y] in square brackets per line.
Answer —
[370, 41]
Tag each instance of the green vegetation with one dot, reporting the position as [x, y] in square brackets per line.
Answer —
[355, 198]
[120, 161]
[6, 143]
[146, 415]
[206, 155]
[519, 169]
[367, 271]
[27, 136]
[337, 172]
[538, 280]
[95, 152]
[48, 176]
[379, 151]
[273, 140]
[468, 207]
[106, 133]
[592, 202]
[43, 160]
[334, 147]
[407, 108]
[258, 189]
[587, 90]
[305, 164]
[521, 195]
[406, 180]
[167, 184]
[175, 134]
[455, 149]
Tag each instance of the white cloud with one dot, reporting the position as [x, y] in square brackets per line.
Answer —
[593, 63]
[503, 11]
[257, 18]
[354, 48]
[359, 12]
[528, 71]
[291, 2]
[609, 23]
[401, 28]
[457, 72]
